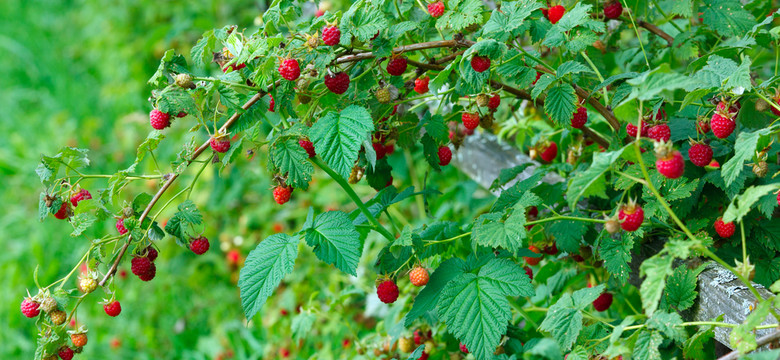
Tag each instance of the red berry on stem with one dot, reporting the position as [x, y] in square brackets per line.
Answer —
[436, 9]
[613, 10]
[494, 101]
[722, 125]
[533, 260]
[549, 152]
[529, 272]
[30, 308]
[445, 155]
[308, 146]
[700, 154]
[387, 291]
[631, 129]
[419, 276]
[379, 149]
[421, 85]
[65, 353]
[470, 120]
[603, 302]
[219, 144]
[579, 118]
[480, 63]
[659, 132]
[463, 348]
[113, 308]
[159, 119]
[631, 217]
[80, 196]
[140, 265]
[271, 103]
[672, 165]
[200, 245]
[337, 83]
[282, 194]
[702, 126]
[120, 226]
[149, 275]
[290, 69]
[724, 229]
[151, 253]
[331, 35]
[396, 66]
[555, 13]
[62, 213]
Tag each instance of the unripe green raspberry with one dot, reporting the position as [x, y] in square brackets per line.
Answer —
[185, 81]
[49, 304]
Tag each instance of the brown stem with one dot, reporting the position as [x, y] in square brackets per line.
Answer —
[656, 30]
[169, 182]
[766, 339]
[405, 48]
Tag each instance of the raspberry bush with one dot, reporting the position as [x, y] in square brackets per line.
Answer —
[614, 98]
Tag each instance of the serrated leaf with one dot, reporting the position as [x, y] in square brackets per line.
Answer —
[428, 297]
[694, 345]
[742, 204]
[571, 67]
[435, 127]
[459, 14]
[542, 84]
[140, 202]
[335, 241]
[174, 100]
[201, 51]
[591, 181]
[560, 104]
[229, 97]
[668, 324]
[507, 276]
[264, 269]
[744, 149]
[81, 222]
[431, 151]
[743, 337]
[616, 253]
[680, 290]
[362, 20]
[655, 269]
[727, 17]
[509, 18]
[337, 137]
[179, 224]
[292, 160]
[150, 144]
[563, 321]
[567, 234]
[490, 231]
[646, 347]
[301, 324]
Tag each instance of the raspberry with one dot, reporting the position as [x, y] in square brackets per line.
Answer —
[404, 343]
[555, 13]
[88, 284]
[482, 100]
[308, 146]
[337, 83]
[319, 13]
[387, 291]
[419, 276]
[379, 149]
[396, 66]
[49, 304]
[603, 302]
[389, 149]
[631, 217]
[424, 356]
[30, 308]
[58, 317]
[383, 95]
[113, 308]
[538, 75]
[613, 10]
[151, 253]
[65, 353]
[78, 339]
[445, 155]
[702, 126]
[700, 154]
[289, 69]
[549, 152]
[760, 169]
[470, 120]
[533, 260]
[149, 275]
[551, 250]
[533, 212]
[140, 265]
[64, 211]
[232, 67]
[271, 103]
[722, 126]
[494, 101]
[219, 144]
[120, 226]
[479, 63]
[80, 196]
[463, 348]
[724, 230]
[631, 129]
[421, 85]
[671, 166]
[181, 114]
[529, 272]
[282, 194]
[200, 245]
[579, 118]
[659, 132]
[418, 337]
[436, 9]
[159, 119]
[778, 198]
[612, 226]
[775, 110]
[331, 35]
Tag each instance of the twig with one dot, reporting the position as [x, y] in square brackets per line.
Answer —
[405, 48]
[766, 339]
[656, 30]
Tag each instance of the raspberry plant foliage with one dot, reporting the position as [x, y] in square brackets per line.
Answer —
[661, 69]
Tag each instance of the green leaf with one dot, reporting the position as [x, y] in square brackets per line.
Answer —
[476, 313]
[646, 347]
[489, 48]
[616, 253]
[567, 234]
[490, 231]
[229, 97]
[744, 149]
[680, 291]
[743, 337]
[578, 16]
[174, 100]
[727, 17]
[694, 345]
[668, 324]
[509, 18]
[651, 84]
[560, 104]
[431, 151]
[263, 270]
[507, 276]
[140, 202]
[417, 353]
[81, 222]
[459, 14]
[655, 269]
[301, 325]
[591, 181]
[571, 67]
[202, 51]
[150, 144]
[336, 241]
[563, 321]
[428, 297]
[435, 127]
[363, 20]
[742, 204]
[542, 84]
[179, 224]
[292, 160]
[337, 137]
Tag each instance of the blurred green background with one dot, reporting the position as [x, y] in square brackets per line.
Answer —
[74, 74]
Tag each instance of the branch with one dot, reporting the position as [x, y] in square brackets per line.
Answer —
[656, 30]
[766, 339]
[199, 151]
[405, 48]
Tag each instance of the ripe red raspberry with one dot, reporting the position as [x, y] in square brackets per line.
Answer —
[722, 126]
[421, 85]
[479, 63]
[271, 104]
[396, 66]
[551, 250]
[337, 83]
[418, 337]
[282, 194]
[151, 253]
[631, 217]
[149, 275]
[78, 339]
[387, 291]
[120, 226]
[445, 155]
[548, 152]
[529, 272]
[613, 10]
[555, 13]
[631, 129]
[389, 149]
[702, 126]
[538, 75]
[470, 120]
[533, 260]
[80, 196]
[200, 245]
[419, 276]
[778, 198]
[775, 110]
[113, 308]
[65, 353]
[436, 9]
[659, 132]
[63, 212]
[331, 35]
[494, 101]
[700, 154]
[308, 146]
[424, 356]
[603, 302]
[463, 348]
[672, 165]
[30, 308]
[182, 114]
[140, 265]
[289, 69]
[219, 144]
[579, 118]
[319, 13]
[724, 230]
[379, 149]
[533, 212]
[159, 119]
